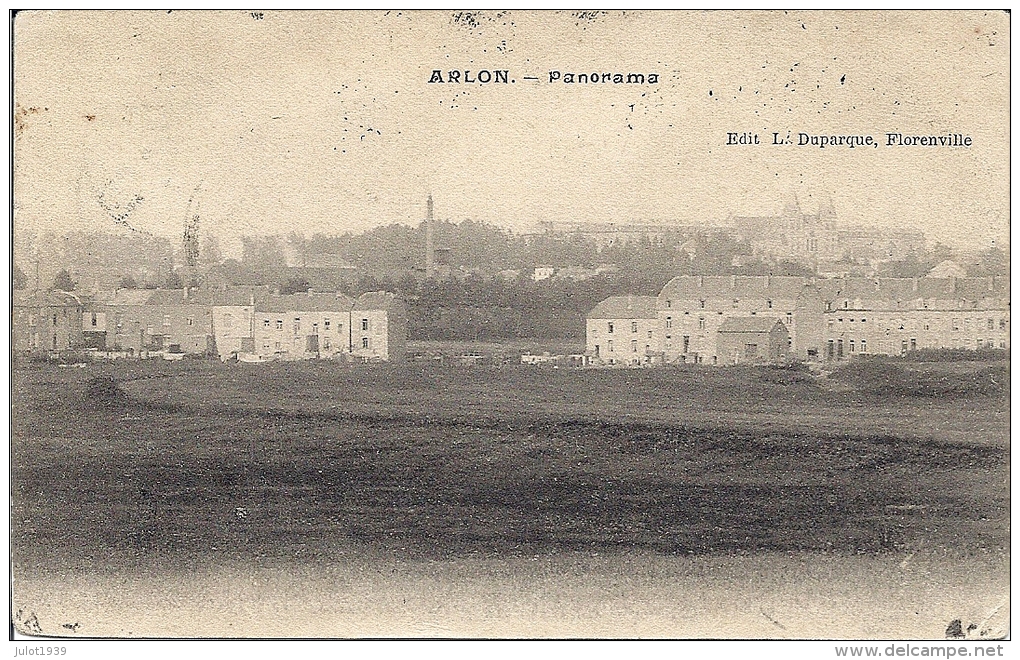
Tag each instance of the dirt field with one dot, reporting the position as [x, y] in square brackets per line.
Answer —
[482, 471]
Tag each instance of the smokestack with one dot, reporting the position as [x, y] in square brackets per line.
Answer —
[430, 248]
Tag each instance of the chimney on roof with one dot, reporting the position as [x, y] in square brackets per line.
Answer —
[701, 281]
[952, 284]
[991, 283]
[914, 283]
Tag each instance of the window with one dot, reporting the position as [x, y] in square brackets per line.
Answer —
[831, 323]
[54, 321]
[364, 342]
[1002, 324]
[279, 324]
[609, 345]
[364, 325]
[633, 326]
[166, 321]
[325, 344]
[633, 346]
[956, 325]
[669, 303]
[649, 334]
[864, 346]
[610, 328]
[94, 320]
[325, 324]
[669, 322]
[768, 303]
[991, 324]
[265, 323]
[735, 303]
[702, 302]
[297, 326]
[191, 321]
[853, 346]
[701, 323]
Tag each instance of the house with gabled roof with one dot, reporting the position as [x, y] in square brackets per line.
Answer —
[301, 326]
[624, 330]
[46, 321]
[752, 340]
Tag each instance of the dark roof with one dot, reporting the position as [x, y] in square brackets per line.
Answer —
[905, 288]
[758, 324]
[304, 302]
[695, 287]
[625, 307]
[377, 300]
[46, 299]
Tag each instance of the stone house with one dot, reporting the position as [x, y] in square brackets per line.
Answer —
[46, 321]
[752, 340]
[624, 330]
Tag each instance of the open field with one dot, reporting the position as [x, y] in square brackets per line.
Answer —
[616, 482]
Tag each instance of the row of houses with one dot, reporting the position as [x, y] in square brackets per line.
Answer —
[247, 323]
[733, 319]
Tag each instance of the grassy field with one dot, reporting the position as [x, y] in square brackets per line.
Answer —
[198, 463]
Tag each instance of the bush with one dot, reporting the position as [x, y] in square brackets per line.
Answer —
[957, 355]
[887, 378]
[103, 390]
[791, 373]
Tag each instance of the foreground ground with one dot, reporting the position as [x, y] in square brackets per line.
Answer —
[529, 495]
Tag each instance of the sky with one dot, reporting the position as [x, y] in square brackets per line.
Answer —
[326, 122]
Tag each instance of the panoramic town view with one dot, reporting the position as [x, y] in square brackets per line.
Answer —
[288, 363]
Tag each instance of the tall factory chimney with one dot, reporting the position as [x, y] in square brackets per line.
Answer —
[430, 247]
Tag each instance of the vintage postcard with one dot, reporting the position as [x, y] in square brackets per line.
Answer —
[512, 325]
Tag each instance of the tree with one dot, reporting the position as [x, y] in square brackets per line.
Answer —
[19, 279]
[295, 285]
[127, 282]
[63, 281]
[173, 281]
